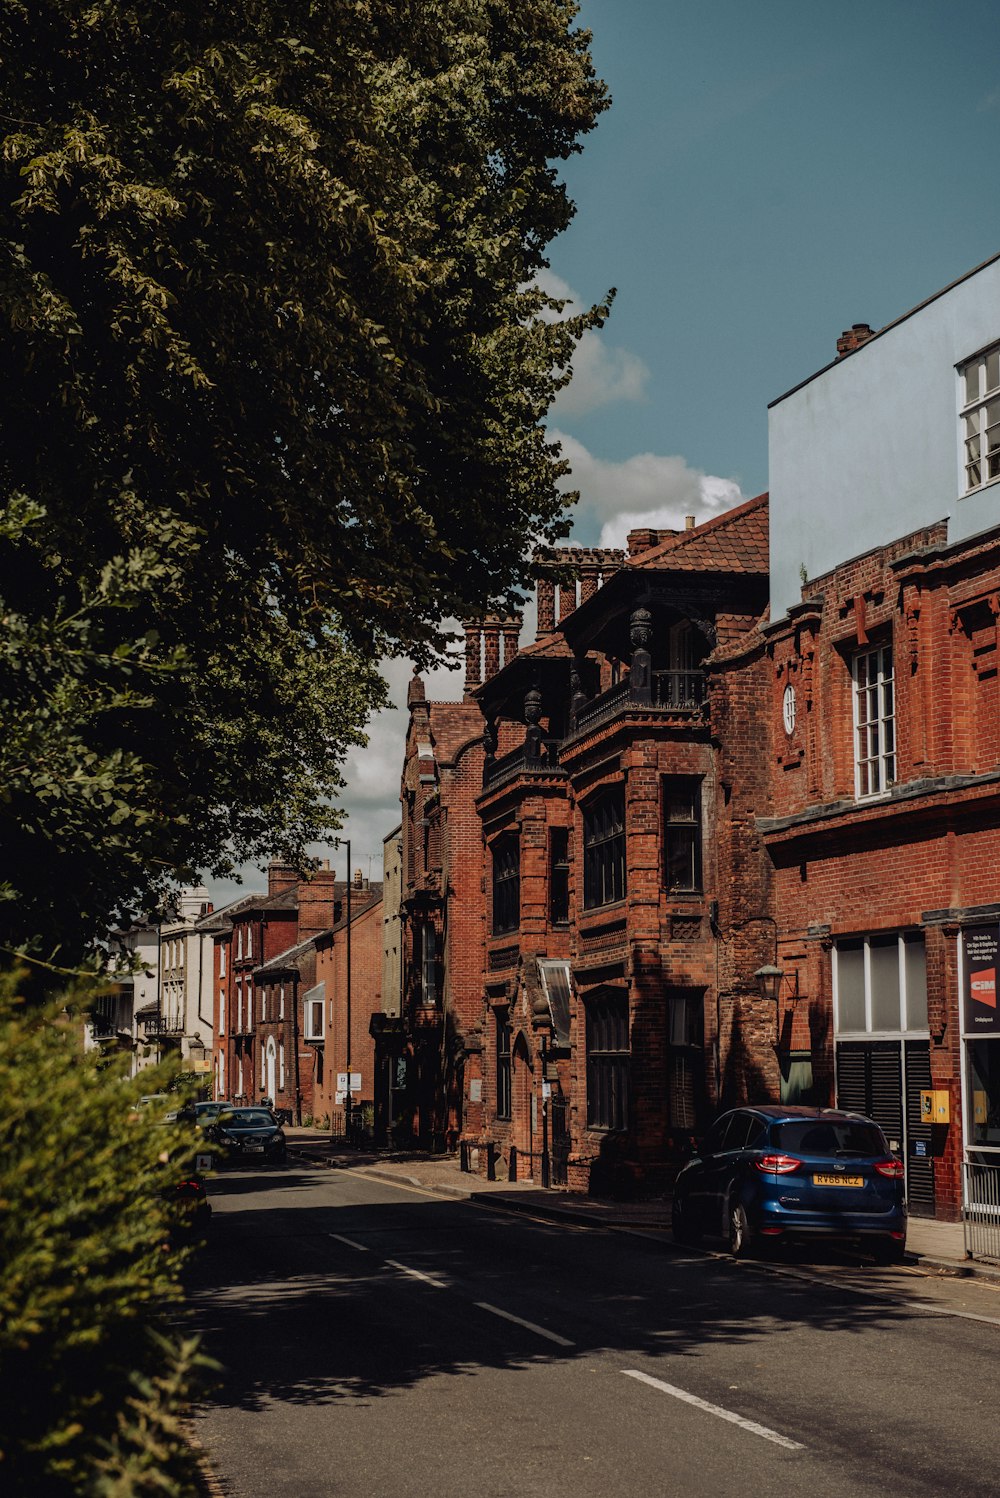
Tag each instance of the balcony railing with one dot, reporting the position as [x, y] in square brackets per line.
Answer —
[522, 761]
[677, 693]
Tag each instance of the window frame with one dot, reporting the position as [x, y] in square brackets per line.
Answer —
[609, 1062]
[986, 364]
[605, 862]
[506, 884]
[881, 763]
[503, 1101]
[913, 1017]
[692, 826]
[558, 876]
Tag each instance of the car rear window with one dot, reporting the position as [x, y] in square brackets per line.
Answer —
[809, 1136]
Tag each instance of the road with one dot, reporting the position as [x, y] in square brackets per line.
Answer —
[379, 1342]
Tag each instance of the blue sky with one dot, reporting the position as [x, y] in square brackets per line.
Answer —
[770, 172]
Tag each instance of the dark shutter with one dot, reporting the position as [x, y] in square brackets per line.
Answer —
[919, 1167]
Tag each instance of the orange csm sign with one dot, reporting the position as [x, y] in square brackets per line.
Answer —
[984, 986]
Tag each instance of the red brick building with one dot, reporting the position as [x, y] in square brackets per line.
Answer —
[883, 737]
[348, 974]
[627, 898]
[252, 1023]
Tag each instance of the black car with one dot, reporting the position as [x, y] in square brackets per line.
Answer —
[770, 1173]
[249, 1135]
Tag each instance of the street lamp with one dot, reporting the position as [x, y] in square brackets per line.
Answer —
[346, 843]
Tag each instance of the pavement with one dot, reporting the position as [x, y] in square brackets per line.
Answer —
[938, 1247]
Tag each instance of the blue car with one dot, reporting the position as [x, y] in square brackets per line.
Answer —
[769, 1173]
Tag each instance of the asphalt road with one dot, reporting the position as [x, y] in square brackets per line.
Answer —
[378, 1342]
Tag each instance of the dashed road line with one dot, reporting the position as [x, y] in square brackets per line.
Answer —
[417, 1274]
[362, 1248]
[531, 1326]
[715, 1409]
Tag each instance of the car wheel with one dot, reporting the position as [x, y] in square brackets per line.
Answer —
[740, 1236]
[890, 1253]
[684, 1229]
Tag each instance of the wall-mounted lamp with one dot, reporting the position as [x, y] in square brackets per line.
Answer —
[769, 981]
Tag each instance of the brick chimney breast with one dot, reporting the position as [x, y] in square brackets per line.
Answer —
[853, 337]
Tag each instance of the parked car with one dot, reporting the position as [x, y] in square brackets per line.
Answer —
[206, 1114]
[248, 1134]
[190, 1208]
[771, 1173]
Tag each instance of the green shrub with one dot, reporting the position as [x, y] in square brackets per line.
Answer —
[89, 1397]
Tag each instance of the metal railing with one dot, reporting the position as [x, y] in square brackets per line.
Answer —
[981, 1212]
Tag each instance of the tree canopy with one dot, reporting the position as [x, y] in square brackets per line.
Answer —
[273, 378]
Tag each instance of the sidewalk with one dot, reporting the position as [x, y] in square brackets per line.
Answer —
[935, 1246]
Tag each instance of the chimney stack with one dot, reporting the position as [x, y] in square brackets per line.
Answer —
[689, 522]
[853, 338]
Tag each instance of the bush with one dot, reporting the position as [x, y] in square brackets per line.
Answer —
[90, 1393]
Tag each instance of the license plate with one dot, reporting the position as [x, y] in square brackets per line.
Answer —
[838, 1180]
[258, 1147]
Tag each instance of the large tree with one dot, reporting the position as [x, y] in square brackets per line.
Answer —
[272, 382]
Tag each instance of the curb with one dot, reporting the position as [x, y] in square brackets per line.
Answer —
[946, 1268]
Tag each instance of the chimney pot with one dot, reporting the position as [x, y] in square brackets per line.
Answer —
[689, 522]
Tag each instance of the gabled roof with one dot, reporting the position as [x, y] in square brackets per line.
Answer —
[735, 541]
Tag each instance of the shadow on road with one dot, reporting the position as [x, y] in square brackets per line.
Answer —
[296, 1315]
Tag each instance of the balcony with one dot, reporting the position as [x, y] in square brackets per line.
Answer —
[671, 693]
[538, 758]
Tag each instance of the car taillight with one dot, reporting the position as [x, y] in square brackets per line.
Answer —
[781, 1165]
[890, 1167]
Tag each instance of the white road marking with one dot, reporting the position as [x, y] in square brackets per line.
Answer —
[530, 1326]
[361, 1247]
[715, 1409]
[417, 1274]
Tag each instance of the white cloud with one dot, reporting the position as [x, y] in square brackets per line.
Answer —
[602, 373]
[647, 489]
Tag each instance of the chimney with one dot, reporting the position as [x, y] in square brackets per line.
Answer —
[280, 876]
[473, 656]
[644, 540]
[358, 880]
[689, 522]
[316, 903]
[853, 338]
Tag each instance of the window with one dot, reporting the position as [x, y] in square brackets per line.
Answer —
[239, 941]
[874, 722]
[428, 965]
[981, 419]
[281, 1066]
[249, 941]
[281, 1002]
[604, 848]
[682, 832]
[685, 1060]
[506, 883]
[607, 1062]
[503, 1067]
[313, 1005]
[222, 961]
[880, 984]
[239, 1009]
[559, 876]
[222, 1011]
